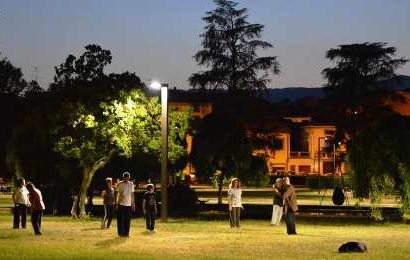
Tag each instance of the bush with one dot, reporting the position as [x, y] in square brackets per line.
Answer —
[57, 201]
[182, 200]
[255, 173]
[319, 182]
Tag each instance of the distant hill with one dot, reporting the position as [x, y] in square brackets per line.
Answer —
[293, 93]
[399, 83]
[296, 93]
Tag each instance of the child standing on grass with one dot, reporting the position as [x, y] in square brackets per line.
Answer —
[37, 207]
[108, 203]
[149, 207]
[235, 202]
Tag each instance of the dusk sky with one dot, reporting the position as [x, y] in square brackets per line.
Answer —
[156, 39]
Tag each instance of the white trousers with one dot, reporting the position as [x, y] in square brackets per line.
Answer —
[277, 212]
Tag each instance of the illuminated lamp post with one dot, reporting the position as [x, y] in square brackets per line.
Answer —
[164, 147]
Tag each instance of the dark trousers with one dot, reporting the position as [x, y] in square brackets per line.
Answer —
[150, 219]
[235, 217]
[124, 220]
[291, 223]
[36, 221]
[20, 210]
[107, 218]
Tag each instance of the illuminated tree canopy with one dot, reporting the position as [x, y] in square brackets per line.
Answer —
[127, 126]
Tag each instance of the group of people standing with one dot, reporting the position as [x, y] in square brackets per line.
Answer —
[25, 197]
[284, 201]
[123, 200]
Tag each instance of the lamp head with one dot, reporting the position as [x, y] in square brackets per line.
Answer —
[155, 85]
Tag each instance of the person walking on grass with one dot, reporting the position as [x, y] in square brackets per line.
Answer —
[37, 207]
[125, 203]
[108, 203]
[21, 202]
[291, 206]
[235, 202]
[149, 207]
[277, 209]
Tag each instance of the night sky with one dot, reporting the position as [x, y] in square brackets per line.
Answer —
[157, 38]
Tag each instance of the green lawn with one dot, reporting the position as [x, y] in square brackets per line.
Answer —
[182, 238]
[262, 196]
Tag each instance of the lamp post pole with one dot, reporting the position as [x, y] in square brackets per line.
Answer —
[318, 156]
[164, 148]
[164, 152]
[319, 152]
[318, 159]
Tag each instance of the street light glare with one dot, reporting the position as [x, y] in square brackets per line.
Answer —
[155, 85]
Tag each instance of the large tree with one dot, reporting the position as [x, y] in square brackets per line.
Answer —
[378, 161]
[128, 126]
[357, 85]
[222, 149]
[230, 44]
[12, 84]
[357, 79]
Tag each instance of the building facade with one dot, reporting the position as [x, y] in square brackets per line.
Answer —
[302, 148]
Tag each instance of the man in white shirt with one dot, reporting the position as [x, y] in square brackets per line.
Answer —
[21, 202]
[124, 201]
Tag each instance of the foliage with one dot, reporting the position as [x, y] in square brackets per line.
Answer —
[220, 144]
[405, 176]
[230, 44]
[11, 78]
[378, 161]
[88, 67]
[87, 73]
[359, 68]
[127, 126]
[358, 84]
[256, 174]
[122, 126]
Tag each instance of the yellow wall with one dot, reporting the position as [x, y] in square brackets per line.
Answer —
[302, 161]
[199, 110]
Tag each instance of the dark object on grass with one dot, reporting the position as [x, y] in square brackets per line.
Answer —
[338, 196]
[351, 246]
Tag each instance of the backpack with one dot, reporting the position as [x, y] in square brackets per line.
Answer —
[351, 246]
[338, 196]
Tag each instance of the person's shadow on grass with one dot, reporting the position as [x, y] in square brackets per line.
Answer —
[111, 242]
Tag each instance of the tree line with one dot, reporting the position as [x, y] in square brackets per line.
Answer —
[88, 121]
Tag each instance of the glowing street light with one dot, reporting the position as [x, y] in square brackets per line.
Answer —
[164, 149]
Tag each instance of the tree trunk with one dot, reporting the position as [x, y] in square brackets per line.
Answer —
[78, 208]
[220, 184]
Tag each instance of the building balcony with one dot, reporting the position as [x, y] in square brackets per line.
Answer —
[294, 154]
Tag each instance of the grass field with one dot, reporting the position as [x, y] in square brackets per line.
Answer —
[185, 238]
[261, 196]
